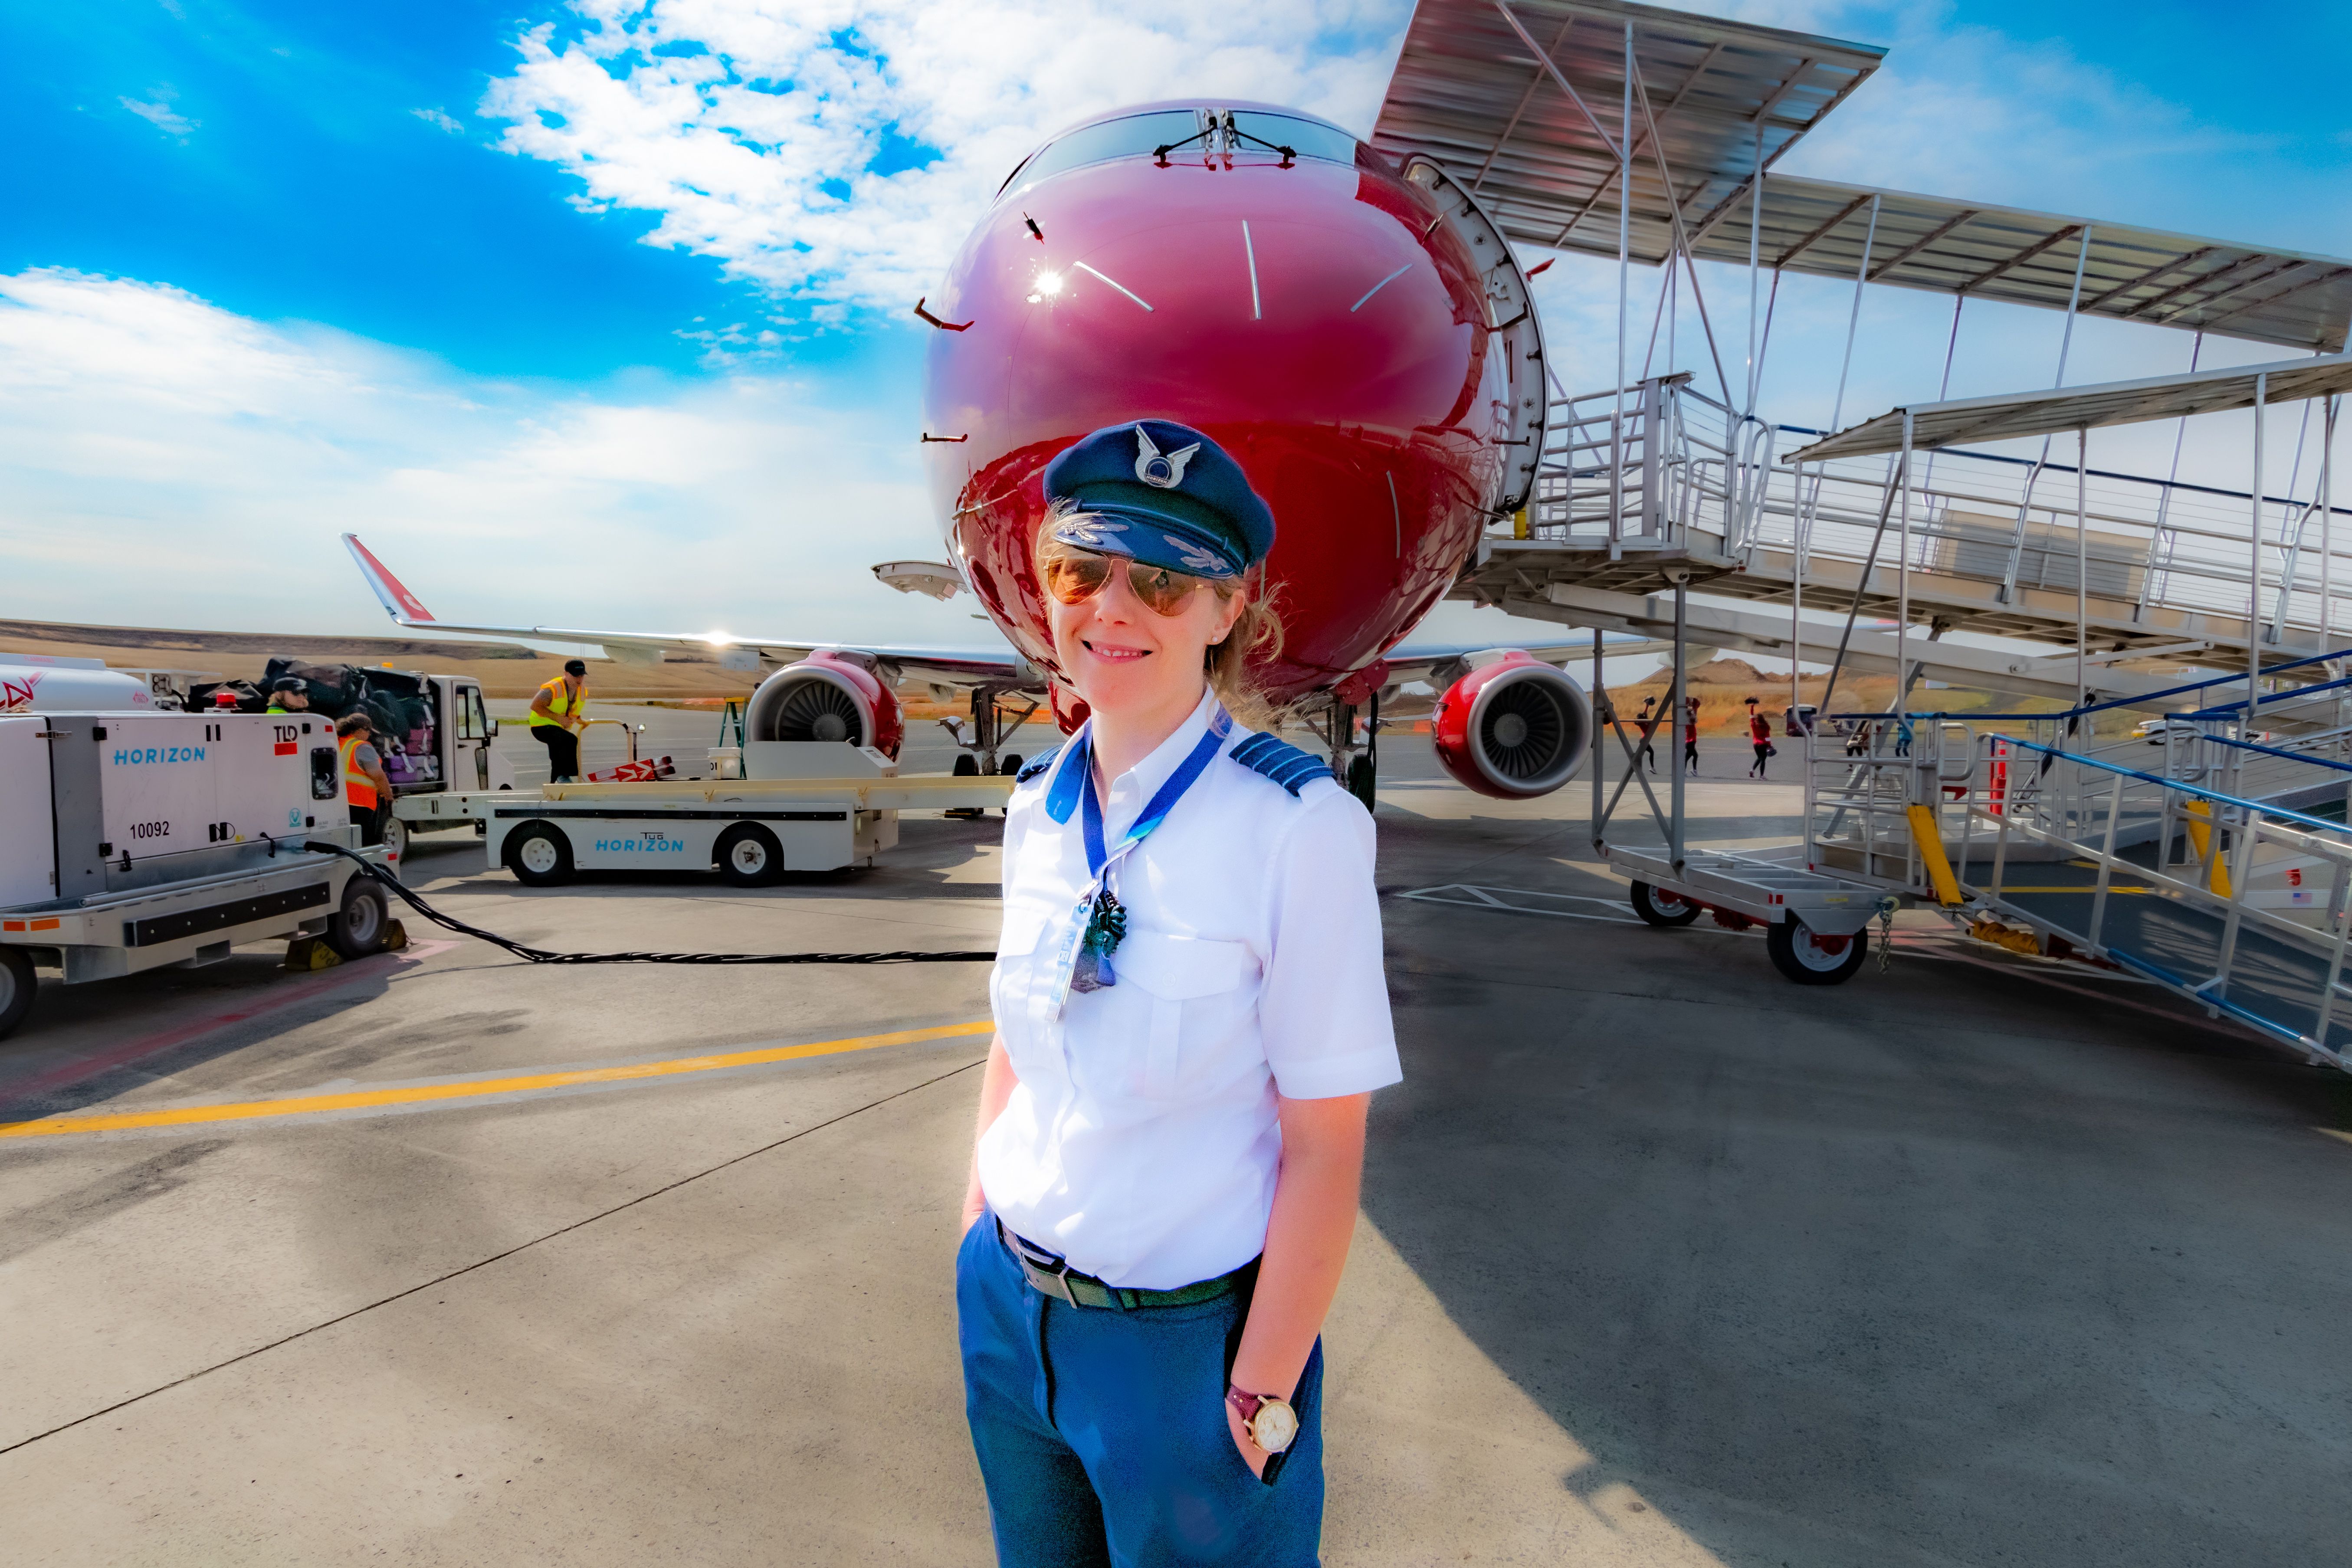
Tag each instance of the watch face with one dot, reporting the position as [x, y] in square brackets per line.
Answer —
[1274, 1426]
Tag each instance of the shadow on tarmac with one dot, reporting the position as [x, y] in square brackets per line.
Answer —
[1939, 1266]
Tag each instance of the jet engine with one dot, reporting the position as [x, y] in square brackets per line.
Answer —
[828, 695]
[1513, 726]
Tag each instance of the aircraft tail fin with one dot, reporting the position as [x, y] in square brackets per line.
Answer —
[401, 606]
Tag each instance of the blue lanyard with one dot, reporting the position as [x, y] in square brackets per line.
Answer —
[1088, 968]
[1155, 811]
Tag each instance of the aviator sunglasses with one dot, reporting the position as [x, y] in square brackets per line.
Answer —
[1073, 579]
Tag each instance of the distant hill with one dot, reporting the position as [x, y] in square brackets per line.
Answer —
[505, 669]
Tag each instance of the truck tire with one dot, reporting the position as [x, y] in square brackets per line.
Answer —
[1811, 960]
[1662, 908]
[18, 988]
[357, 929]
[540, 855]
[749, 855]
[395, 836]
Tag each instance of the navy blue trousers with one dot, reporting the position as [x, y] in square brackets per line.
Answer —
[1102, 1437]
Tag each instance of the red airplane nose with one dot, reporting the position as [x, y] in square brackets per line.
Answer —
[1318, 318]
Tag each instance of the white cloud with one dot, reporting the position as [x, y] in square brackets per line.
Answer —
[753, 126]
[160, 115]
[440, 120]
[170, 463]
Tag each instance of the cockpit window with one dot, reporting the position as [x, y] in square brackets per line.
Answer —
[1305, 137]
[1138, 134]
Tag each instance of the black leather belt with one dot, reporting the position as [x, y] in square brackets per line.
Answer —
[1050, 1274]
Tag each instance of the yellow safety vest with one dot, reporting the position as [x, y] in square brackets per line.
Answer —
[357, 788]
[560, 704]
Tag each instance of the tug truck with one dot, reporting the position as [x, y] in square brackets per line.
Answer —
[130, 840]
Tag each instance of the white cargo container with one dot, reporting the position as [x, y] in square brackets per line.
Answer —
[131, 840]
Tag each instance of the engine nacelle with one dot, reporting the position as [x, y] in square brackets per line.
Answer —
[1513, 727]
[827, 696]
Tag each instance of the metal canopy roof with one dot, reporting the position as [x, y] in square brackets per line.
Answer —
[2074, 408]
[1987, 252]
[1469, 91]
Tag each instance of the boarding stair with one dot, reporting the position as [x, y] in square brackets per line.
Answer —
[1661, 476]
[2212, 857]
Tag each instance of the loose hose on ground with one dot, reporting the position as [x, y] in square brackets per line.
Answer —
[540, 956]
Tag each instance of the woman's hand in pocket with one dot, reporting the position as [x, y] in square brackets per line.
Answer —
[1251, 1455]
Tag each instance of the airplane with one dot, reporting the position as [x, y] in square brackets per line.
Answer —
[1350, 327]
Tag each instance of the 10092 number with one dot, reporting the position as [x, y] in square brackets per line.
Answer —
[151, 830]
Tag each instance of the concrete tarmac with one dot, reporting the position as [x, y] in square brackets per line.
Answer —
[445, 1258]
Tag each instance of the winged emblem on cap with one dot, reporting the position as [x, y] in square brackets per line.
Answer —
[1161, 472]
[1196, 559]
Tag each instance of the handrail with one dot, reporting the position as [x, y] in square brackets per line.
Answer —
[2274, 752]
[2146, 696]
[2272, 812]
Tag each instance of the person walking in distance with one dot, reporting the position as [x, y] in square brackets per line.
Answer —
[1648, 726]
[556, 721]
[1759, 734]
[367, 789]
[1690, 734]
[1190, 1018]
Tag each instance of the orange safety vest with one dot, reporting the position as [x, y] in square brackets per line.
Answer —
[560, 703]
[357, 788]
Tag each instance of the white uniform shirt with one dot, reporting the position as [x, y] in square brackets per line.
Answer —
[1143, 1141]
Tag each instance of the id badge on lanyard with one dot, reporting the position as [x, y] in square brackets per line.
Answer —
[1079, 965]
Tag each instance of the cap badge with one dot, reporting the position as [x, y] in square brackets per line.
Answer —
[1154, 469]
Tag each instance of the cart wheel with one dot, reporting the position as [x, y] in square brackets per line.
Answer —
[395, 837]
[357, 929]
[540, 855]
[749, 855]
[1662, 908]
[1811, 960]
[18, 985]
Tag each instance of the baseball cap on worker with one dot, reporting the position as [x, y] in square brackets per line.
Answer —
[1162, 493]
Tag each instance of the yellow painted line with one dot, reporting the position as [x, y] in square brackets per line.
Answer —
[476, 1089]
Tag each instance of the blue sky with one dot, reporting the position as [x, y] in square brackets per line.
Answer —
[597, 310]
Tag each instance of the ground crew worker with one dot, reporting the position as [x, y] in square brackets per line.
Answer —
[367, 789]
[1191, 1017]
[556, 721]
[287, 695]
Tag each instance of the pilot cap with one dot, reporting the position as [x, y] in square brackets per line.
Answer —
[1162, 493]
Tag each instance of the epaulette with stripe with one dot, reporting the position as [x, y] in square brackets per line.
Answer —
[1038, 763]
[1280, 761]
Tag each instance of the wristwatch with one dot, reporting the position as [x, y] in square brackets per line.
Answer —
[1271, 1423]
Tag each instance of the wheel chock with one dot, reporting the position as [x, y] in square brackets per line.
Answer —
[306, 953]
[395, 937]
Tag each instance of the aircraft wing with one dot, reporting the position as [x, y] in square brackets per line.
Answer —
[998, 666]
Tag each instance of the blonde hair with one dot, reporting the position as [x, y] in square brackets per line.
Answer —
[1255, 635]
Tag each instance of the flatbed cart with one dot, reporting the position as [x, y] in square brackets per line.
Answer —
[193, 922]
[751, 830]
[1816, 927]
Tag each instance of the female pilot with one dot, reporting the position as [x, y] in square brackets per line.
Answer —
[1191, 1017]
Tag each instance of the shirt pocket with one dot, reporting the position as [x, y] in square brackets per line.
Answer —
[1024, 960]
[1186, 979]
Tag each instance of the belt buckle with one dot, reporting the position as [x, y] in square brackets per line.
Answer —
[1057, 1282]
